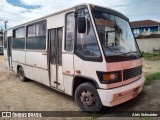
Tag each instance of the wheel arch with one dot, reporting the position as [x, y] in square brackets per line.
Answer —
[18, 66]
[78, 80]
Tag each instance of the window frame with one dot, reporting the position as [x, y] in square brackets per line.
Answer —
[36, 36]
[5, 44]
[83, 57]
[72, 47]
[14, 34]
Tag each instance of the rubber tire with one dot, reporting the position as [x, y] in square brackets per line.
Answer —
[89, 87]
[21, 74]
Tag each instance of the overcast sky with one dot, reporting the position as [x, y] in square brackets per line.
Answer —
[20, 11]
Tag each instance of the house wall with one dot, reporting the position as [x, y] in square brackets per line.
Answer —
[147, 45]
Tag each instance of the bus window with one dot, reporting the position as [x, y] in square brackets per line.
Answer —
[5, 40]
[87, 45]
[36, 36]
[69, 31]
[19, 38]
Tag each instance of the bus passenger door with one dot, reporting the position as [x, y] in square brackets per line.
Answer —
[9, 55]
[55, 39]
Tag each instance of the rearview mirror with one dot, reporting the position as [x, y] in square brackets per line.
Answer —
[81, 24]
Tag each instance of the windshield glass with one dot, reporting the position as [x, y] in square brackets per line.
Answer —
[114, 33]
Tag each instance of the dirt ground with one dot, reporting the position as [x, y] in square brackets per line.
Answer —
[32, 96]
[150, 67]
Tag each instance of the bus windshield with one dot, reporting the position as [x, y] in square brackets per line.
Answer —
[115, 34]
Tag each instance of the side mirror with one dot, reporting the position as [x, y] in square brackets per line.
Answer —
[81, 24]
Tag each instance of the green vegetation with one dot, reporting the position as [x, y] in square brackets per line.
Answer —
[149, 56]
[152, 77]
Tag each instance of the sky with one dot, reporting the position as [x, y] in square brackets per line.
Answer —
[20, 11]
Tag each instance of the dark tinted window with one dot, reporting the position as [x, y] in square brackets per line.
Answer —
[5, 40]
[59, 40]
[52, 46]
[69, 31]
[36, 36]
[18, 43]
[37, 43]
[19, 38]
[55, 36]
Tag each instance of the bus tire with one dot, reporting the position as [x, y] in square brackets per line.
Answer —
[21, 74]
[87, 98]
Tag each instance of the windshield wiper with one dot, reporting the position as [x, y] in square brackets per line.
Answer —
[127, 53]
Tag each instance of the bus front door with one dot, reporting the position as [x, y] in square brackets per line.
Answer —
[9, 55]
[56, 76]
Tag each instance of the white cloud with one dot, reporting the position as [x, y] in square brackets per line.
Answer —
[17, 15]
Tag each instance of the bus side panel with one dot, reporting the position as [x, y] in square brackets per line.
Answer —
[38, 62]
[18, 58]
[68, 72]
[89, 68]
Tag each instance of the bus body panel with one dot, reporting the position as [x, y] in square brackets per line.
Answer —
[18, 56]
[121, 94]
[89, 68]
[9, 33]
[37, 59]
[120, 66]
[56, 21]
[68, 72]
[6, 58]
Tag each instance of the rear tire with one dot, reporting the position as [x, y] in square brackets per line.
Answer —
[87, 98]
[21, 74]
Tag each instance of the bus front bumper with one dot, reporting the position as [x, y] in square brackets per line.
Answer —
[121, 94]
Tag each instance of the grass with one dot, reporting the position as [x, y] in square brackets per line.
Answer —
[151, 57]
[152, 77]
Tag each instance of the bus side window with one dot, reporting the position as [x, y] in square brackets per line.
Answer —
[69, 31]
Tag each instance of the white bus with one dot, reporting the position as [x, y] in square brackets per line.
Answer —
[86, 51]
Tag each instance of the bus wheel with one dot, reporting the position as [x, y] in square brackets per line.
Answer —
[21, 74]
[87, 98]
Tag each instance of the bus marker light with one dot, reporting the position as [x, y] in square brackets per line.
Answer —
[68, 72]
[78, 71]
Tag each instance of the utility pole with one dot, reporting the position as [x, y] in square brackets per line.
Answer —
[5, 22]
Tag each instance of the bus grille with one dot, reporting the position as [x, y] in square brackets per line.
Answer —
[133, 72]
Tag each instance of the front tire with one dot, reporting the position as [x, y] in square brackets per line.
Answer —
[21, 74]
[87, 98]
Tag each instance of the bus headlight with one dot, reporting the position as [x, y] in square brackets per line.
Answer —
[109, 77]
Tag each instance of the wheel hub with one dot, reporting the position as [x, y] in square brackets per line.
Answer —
[88, 98]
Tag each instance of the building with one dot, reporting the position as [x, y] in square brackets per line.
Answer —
[142, 26]
[1, 38]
